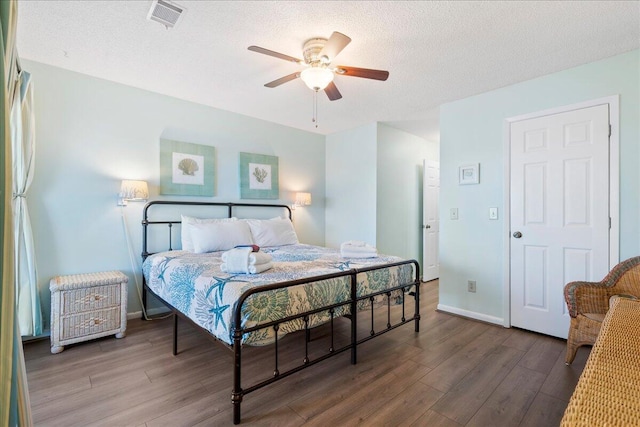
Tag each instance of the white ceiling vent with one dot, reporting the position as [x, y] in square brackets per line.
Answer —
[165, 12]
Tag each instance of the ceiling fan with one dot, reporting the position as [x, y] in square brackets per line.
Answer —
[318, 53]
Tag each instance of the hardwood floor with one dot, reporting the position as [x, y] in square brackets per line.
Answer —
[454, 372]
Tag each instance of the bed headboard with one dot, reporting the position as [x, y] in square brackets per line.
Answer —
[168, 212]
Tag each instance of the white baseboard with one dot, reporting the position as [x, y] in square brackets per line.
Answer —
[150, 312]
[471, 314]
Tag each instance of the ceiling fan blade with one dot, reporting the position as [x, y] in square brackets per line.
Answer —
[332, 92]
[282, 80]
[334, 45]
[362, 72]
[275, 54]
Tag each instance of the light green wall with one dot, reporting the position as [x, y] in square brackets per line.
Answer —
[374, 188]
[472, 131]
[351, 186]
[399, 191]
[92, 133]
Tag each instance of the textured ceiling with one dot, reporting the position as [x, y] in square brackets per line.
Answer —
[436, 52]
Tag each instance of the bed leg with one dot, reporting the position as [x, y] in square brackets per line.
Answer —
[417, 313]
[236, 410]
[236, 393]
[354, 321]
[175, 334]
[354, 345]
[144, 301]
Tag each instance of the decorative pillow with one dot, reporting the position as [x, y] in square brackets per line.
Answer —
[272, 232]
[219, 236]
[188, 221]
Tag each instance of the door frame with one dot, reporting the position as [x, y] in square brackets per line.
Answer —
[614, 186]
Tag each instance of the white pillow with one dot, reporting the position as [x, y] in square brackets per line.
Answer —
[219, 236]
[188, 221]
[272, 232]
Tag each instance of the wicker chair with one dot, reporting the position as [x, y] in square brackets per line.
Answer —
[588, 302]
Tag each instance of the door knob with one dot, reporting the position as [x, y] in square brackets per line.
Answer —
[517, 234]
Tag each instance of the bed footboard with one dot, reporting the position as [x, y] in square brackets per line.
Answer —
[412, 288]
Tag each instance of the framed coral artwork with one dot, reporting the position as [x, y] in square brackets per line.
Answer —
[258, 176]
[186, 169]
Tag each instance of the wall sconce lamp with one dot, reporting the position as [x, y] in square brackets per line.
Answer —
[133, 191]
[302, 199]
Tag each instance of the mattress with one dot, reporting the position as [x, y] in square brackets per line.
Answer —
[195, 285]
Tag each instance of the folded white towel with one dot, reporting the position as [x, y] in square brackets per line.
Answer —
[360, 249]
[246, 254]
[352, 254]
[236, 260]
[354, 243]
[251, 269]
[259, 258]
[254, 269]
[357, 248]
[243, 260]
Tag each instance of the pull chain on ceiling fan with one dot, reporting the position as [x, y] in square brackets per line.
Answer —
[318, 53]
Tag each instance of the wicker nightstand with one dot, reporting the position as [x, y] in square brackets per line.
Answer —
[87, 306]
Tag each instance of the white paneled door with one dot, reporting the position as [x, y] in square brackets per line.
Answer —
[430, 220]
[559, 212]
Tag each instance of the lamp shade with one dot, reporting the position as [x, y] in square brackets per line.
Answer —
[134, 190]
[316, 78]
[303, 199]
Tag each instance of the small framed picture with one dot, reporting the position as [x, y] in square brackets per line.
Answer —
[258, 176]
[469, 174]
[186, 169]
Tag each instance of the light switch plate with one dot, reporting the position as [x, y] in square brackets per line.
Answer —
[493, 213]
[454, 213]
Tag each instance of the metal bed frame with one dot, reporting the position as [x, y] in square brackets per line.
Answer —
[238, 392]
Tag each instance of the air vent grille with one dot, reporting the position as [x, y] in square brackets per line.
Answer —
[165, 12]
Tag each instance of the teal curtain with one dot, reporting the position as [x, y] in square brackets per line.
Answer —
[22, 124]
[15, 409]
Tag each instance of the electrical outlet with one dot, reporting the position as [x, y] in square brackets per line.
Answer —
[471, 286]
[454, 213]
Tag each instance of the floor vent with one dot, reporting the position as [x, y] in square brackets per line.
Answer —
[165, 12]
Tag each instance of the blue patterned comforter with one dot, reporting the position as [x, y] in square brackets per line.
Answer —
[195, 285]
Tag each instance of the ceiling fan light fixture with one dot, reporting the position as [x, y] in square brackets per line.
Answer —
[317, 78]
